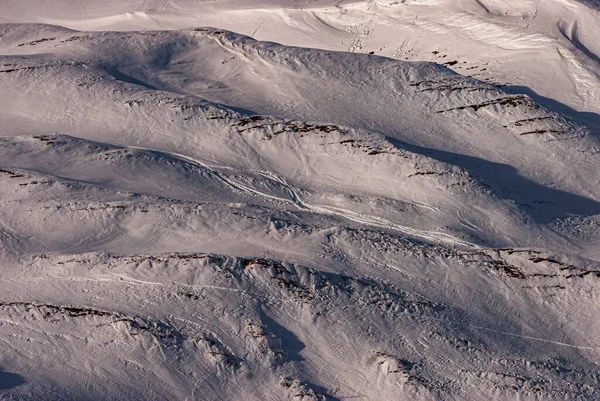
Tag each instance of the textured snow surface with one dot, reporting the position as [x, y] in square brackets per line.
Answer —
[375, 200]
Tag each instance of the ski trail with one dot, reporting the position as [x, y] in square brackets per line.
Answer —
[258, 28]
[536, 12]
[296, 199]
[122, 278]
[465, 323]
[545, 340]
[376, 221]
[364, 219]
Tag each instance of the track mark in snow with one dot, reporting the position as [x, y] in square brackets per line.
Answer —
[405, 50]
[295, 199]
[376, 221]
[122, 278]
[523, 336]
[258, 28]
[359, 34]
[535, 14]
[401, 48]
[597, 349]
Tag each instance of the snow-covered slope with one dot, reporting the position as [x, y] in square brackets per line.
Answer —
[522, 44]
[189, 213]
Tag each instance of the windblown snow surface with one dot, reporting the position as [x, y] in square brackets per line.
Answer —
[344, 200]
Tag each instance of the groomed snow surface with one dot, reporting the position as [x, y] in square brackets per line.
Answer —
[375, 200]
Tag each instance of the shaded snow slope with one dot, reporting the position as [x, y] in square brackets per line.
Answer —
[196, 215]
[506, 165]
[215, 327]
[524, 45]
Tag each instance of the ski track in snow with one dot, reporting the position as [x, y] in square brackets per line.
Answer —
[372, 221]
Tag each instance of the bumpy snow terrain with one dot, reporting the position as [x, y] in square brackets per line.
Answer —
[303, 200]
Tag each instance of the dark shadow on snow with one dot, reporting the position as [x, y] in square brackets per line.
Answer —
[290, 344]
[589, 119]
[119, 76]
[541, 203]
[10, 380]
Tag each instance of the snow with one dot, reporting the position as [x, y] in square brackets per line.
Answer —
[191, 213]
